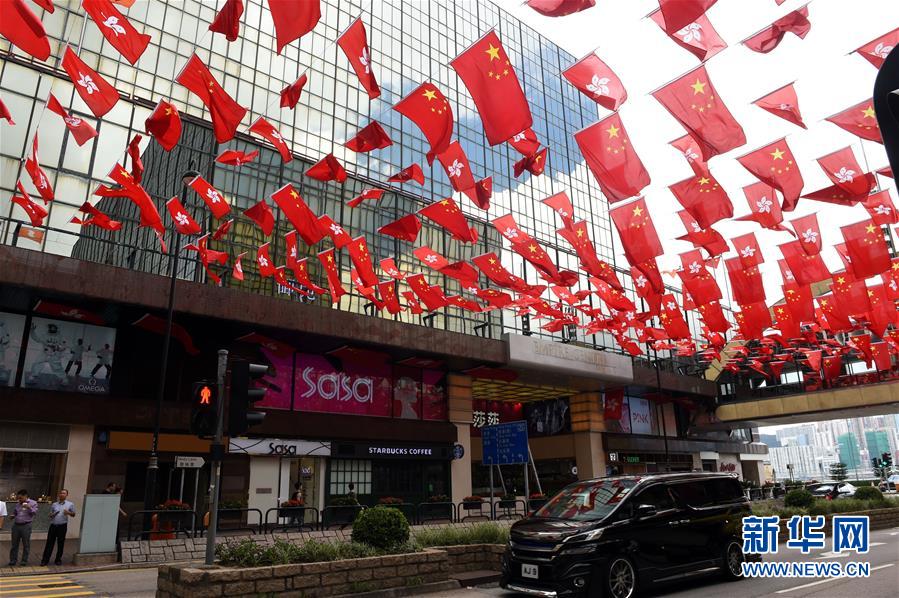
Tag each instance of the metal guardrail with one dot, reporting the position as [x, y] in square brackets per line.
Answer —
[339, 515]
[809, 385]
[436, 511]
[225, 518]
[509, 509]
[296, 517]
[177, 518]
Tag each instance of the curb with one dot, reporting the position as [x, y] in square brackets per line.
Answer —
[426, 588]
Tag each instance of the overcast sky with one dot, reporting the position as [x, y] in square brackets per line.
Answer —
[828, 80]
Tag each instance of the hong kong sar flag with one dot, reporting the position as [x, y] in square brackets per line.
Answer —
[78, 127]
[267, 130]
[117, 30]
[597, 81]
[96, 92]
[354, 44]
[680, 13]
[226, 114]
[698, 37]
[612, 159]
[877, 50]
[487, 73]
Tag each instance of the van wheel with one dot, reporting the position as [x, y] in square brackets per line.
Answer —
[621, 578]
[733, 561]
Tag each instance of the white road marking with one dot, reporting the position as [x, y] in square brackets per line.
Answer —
[817, 583]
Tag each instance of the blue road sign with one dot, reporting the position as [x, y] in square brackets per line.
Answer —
[505, 444]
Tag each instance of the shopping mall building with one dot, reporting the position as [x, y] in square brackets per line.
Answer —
[390, 404]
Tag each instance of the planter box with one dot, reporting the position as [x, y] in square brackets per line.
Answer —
[507, 504]
[291, 512]
[472, 506]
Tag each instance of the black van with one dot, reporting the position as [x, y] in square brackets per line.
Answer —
[612, 536]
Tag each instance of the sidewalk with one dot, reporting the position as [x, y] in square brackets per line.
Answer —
[37, 551]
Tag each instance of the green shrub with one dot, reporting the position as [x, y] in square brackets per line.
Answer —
[799, 498]
[347, 500]
[381, 527]
[868, 493]
[247, 553]
[484, 533]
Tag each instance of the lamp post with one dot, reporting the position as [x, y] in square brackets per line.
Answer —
[150, 489]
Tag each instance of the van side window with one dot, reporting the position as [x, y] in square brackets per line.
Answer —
[694, 494]
[657, 496]
[726, 490]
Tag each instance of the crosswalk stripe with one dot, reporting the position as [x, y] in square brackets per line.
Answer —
[33, 590]
[27, 584]
[29, 577]
[85, 593]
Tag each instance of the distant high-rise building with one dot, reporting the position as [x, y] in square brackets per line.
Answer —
[878, 442]
[848, 451]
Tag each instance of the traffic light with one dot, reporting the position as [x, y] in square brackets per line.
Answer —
[203, 413]
[887, 459]
[243, 394]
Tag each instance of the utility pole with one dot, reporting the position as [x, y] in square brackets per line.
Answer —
[216, 454]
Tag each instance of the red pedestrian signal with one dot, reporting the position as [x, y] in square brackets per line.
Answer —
[203, 416]
[205, 395]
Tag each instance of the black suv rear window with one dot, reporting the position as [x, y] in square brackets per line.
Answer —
[693, 494]
[726, 491]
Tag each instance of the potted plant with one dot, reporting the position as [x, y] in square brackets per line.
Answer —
[232, 510]
[472, 503]
[536, 500]
[439, 498]
[174, 512]
[507, 501]
[390, 500]
[343, 509]
[289, 508]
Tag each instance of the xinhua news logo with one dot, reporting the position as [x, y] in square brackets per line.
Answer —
[806, 533]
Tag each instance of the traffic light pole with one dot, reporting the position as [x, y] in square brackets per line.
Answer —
[217, 453]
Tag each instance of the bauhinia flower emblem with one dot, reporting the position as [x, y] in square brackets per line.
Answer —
[365, 60]
[640, 281]
[810, 236]
[88, 84]
[763, 205]
[455, 169]
[112, 22]
[598, 86]
[747, 251]
[72, 121]
[882, 210]
[213, 195]
[262, 261]
[695, 268]
[510, 233]
[845, 175]
[691, 33]
[182, 219]
[882, 50]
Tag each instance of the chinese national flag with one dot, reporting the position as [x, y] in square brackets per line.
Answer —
[362, 261]
[226, 114]
[880, 353]
[37, 174]
[883, 310]
[227, 21]
[117, 29]
[298, 214]
[746, 283]
[560, 8]
[593, 78]
[236, 157]
[637, 232]
[535, 164]
[850, 295]
[698, 37]
[672, 319]
[881, 209]
[429, 109]
[782, 102]
[354, 44]
[483, 191]
[209, 194]
[867, 249]
[293, 19]
[680, 13]
[764, 207]
[405, 229]
[704, 199]
[36, 213]
[845, 172]
[612, 159]
[97, 218]
[23, 28]
[877, 50]
[387, 291]
[262, 215]
[788, 326]
[223, 229]
[769, 38]
[692, 153]
[693, 101]
[713, 317]
[184, 224]
[806, 269]
[837, 318]
[487, 73]
[447, 214]
[410, 173]
[371, 137]
[339, 236]
[301, 273]
[430, 295]
[800, 302]
[267, 130]
[164, 125]
[748, 250]
[458, 170]
[290, 95]
[860, 120]
[327, 169]
[753, 319]
[96, 92]
[808, 233]
[774, 164]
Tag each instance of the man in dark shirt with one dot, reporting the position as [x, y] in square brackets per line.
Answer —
[22, 516]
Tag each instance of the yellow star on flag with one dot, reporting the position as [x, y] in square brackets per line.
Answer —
[870, 228]
[703, 181]
[492, 52]
[777, 154]
[613, 131]
[429, 93]
[638, 211]
[698, 87]
[869, 112]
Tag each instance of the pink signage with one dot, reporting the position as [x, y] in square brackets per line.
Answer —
[278, 386]
[357, 389]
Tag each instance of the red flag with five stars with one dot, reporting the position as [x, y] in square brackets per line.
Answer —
[327, 169]
[753, 319]
[227, 21]
[637, 232]
[405, 228]
[880, 207]
[429, 109]
[860, 120]
[593, 78]
[298, 214]
[693, 101]
[293, 19]
[38, 176]
[487, 73]
[225, 113]
[867, 249]
[290, 95]
[877, 50]
[354, 44]
[704, 199]
[782, 102]
[209, 194]
[612, 159]
[770, 37]
[774, 164]
[184, 224]
[698, 37]
[410, 173]
[362, 261]
[23, 28]
[96, 92]
[268, 131]
[164, 125]
[746, 283]
[447, 214]
[262, 215]
[117, 29]
[370, 137]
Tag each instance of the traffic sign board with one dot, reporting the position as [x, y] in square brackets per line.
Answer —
[505, 444]
[182, 462]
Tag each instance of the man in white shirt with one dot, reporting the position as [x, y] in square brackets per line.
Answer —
[2, 512]
[60, 511]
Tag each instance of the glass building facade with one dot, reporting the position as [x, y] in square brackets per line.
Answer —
[411, 42]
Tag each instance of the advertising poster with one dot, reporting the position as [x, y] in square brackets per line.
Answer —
[68, 356]
[549, 417]
[12, 326]
[623, 424]
[406, 393]
[433, 395]
[357, 389]
[641, 416]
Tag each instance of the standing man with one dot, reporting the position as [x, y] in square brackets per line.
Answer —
[22, 516]
[60, 511]
[2, 512]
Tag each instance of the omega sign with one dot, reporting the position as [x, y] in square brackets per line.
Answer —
[337, 386]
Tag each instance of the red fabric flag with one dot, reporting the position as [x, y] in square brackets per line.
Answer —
[117, 29]
[137, 165]
[290, 95]
[764, 207]
[225, 113]
[412, 303]
[96, 218]
[149, 215]
[593, 78]
[713, 317]
[845, 172]
[354, 44]
[264, 261]
[59, 310]
[366, 195]
[458, 170]
[612, 402]
[38, 176]
[362, 261]
[561, 204]
[293, 19]
[410, 173]
[388, 265]
[268, 131]
[491, 266]
[447, 214]
[36, 213]
[223, 229]
[769, 38]
[867, 249]
[746, 283]
[782, 102]
[23, 29]
[704, 199]
[693, 101]
[808, 233]
[877, 50]
[338, 235]
[217, 203]
[298, 214]
[327, 169]
[672, 319]
[680, 13]
[883, 311]
[886, 171]
[774, 164]
[487, 73]
[560, 8]
[637, 232]
[800, 302]
[208, 257]
[387, 291]
[692, 153]
[429, 109]
[709, 239]
[262, 215]
[612, 159]
[753, 319]
[525, 142]
[806, 269]
[96, 92]
[227, 21]
[301, 273]
[5, 114]
[748, 250]
[184, 224]
[837, 195]
[881, 209]
[236, 157]
[535, 164]
[785, 273]
[431, 296]
[405, 228]
[528, 248]
[431, 258]
[698, 37]
[371, 137]
[850, 295]
[237, 270]
[483, 191]
[880, 355]
[860, 120]
[862, 344]
[648, 279]
[164, 125]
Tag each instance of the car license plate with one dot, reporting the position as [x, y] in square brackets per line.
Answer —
[530, 571]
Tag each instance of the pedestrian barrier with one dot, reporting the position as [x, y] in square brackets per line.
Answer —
[509, 509]
[288, 518]
[341, 516]
[436, 511]
[234, 520]
[164, 524]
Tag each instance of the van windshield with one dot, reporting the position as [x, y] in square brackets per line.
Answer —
[587, 501]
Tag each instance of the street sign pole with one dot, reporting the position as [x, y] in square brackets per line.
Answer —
[216, 458]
